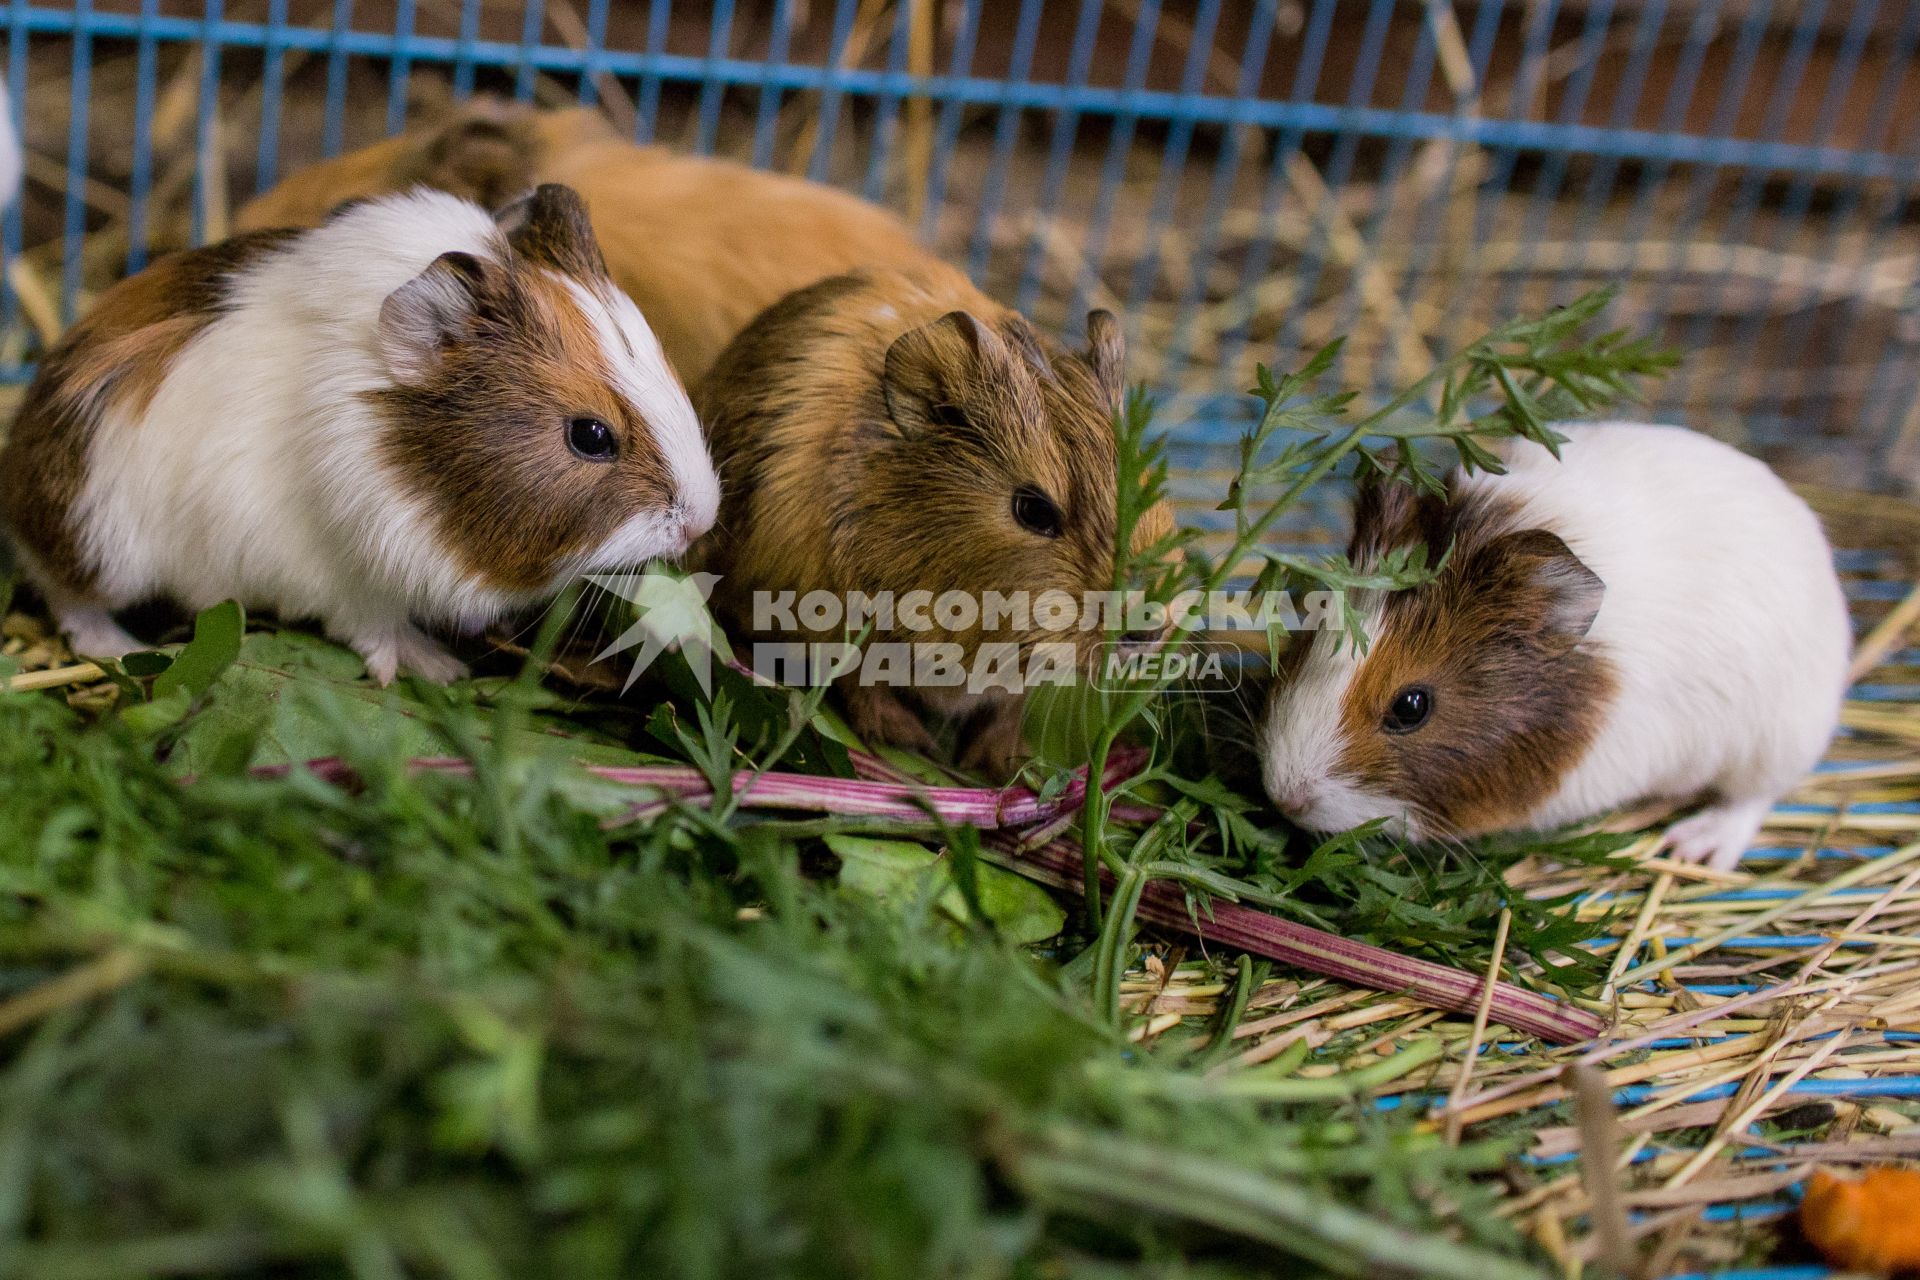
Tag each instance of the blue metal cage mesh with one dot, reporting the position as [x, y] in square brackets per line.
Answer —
[1241, 181]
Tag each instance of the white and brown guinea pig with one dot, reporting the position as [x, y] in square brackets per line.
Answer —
[415, 413]
[898, 431]
[1654, 615]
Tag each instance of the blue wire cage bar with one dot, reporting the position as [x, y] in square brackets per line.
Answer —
[1241, 181]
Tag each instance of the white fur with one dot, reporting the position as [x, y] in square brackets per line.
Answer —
[645, 378]
[1722, 618]
[254, 471]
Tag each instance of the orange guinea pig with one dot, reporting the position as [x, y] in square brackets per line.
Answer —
[701, 245]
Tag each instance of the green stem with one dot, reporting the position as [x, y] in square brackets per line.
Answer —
[1267, 1084]
[1093, 821]
[1137, 1177]
[1246, 981]
[1110, 962]
[1350, 1084]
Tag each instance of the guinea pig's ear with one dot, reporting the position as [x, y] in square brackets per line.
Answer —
[1544, 587]
[1388, 515]
[431, 312]
[929, 369]
[550, 227]
[1107, 356]
[485, 156]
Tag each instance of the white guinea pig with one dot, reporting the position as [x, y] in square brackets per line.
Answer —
[1653, 615]
[415, 413]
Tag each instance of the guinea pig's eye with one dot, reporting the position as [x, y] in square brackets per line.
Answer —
[1410, 709]
[591, 438]
[1035, 512]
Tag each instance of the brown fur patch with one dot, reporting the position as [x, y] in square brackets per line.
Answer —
[113, 359]
[1516, 698]
[482, 440]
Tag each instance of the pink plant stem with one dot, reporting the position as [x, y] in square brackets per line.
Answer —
[1164, 904]
[985, 808]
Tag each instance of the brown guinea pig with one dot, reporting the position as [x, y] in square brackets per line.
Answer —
[701, 245]
[895, 432]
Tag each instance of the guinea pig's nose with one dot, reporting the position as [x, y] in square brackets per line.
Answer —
[697, 506]
[690, 525]
[1142, 638]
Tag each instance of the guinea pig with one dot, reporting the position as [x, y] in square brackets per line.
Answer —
[1653, 615]
[701, 245]
[415, 413]
[893, 431]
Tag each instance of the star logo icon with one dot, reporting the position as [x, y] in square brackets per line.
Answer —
[670, 612]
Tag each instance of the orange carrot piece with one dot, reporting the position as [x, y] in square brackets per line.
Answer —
[1867, 1224]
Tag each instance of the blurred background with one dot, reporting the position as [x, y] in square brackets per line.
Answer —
[1242, 180]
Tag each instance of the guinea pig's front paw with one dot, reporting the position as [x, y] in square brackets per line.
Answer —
[995, 743]
[879, 716]
[92, 633]
[390, 651]
[1718, 834]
